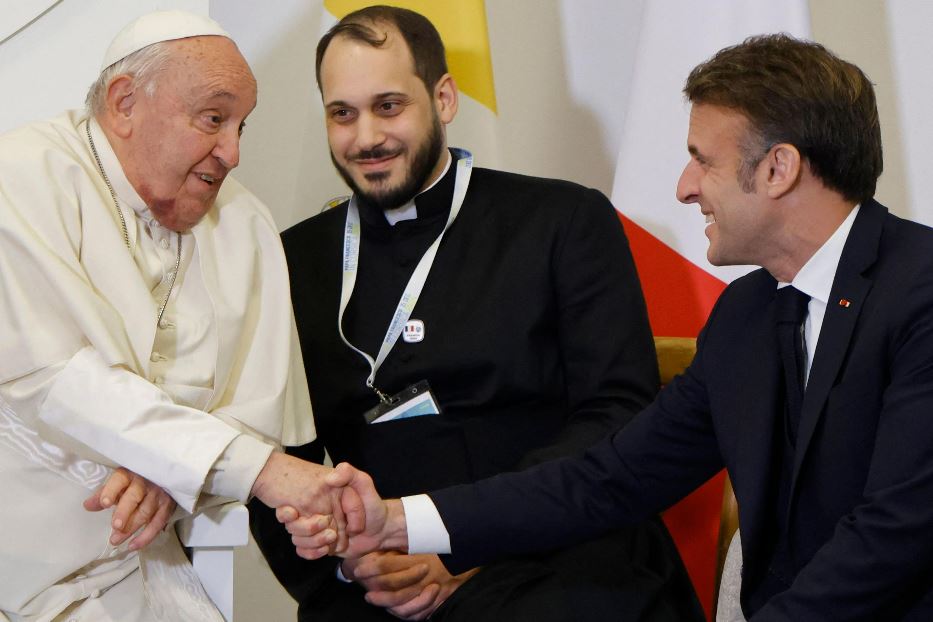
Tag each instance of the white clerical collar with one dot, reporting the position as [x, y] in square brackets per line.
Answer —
[816, 276]
[124, 190]
[408, 211]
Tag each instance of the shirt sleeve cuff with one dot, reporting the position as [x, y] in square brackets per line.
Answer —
[237, 468]
[426, 530]
[340, 576]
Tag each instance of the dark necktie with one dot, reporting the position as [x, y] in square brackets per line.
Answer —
[791, 312]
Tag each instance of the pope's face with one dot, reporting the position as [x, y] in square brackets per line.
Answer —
[185, 137]
[383, 127]
[740, 226]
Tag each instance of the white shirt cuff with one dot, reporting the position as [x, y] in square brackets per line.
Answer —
[426, 530]
[340, 576]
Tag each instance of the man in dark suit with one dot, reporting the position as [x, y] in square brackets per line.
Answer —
[530, 332]
[813, 379]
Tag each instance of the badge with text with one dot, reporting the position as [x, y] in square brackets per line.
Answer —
[415, 401]
[413, 332]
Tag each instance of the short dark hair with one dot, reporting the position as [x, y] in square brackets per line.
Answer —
[798, 92]
[423, 41]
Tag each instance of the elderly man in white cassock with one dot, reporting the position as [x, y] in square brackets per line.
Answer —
[147, 356]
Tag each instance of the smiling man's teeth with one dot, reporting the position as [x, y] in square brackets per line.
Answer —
[207, 178]
[710, 219]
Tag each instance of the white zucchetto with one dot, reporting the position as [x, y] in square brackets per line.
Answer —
[157, 27]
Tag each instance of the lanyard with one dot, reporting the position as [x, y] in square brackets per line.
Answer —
[406, 304]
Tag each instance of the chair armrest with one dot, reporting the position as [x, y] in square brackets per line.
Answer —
[212, 536]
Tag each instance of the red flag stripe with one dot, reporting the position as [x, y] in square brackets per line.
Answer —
[679, 294]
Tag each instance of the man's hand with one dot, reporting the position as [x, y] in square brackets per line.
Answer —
[410, 587]
[385, 527]
[334, 511]
[390, 579]
[139, 504]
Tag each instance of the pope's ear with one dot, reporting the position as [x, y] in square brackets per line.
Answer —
[783, 164]
[119, 104]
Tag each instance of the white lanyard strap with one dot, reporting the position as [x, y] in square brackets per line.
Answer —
[406, 304]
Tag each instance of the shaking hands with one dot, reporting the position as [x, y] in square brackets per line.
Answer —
[370, 523]
[410, 587]
[328, 511]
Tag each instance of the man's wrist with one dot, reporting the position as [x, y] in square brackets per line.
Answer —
[258, 489]
[395, 532]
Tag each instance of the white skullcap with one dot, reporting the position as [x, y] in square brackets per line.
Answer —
[157, 27]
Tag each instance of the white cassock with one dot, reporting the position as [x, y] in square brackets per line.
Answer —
[88, 381]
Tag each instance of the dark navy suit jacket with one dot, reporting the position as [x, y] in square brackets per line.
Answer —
[859, 520]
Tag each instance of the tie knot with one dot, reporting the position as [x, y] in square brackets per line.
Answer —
[791, 305]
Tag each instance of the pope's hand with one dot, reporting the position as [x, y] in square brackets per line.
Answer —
[140, 504]
[385, 527]
[303, 487]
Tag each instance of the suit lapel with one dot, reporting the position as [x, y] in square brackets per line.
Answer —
[846, 301]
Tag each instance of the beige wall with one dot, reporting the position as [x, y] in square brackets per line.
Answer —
[859, 31]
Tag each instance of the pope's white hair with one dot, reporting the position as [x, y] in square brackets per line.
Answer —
[143, 65]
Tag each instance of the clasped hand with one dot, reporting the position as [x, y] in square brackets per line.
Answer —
[139, 505]
[407, 586]
[332, 511]
[411, 587]
[377, 525]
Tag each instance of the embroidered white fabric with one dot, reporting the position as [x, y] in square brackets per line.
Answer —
[172, 589]
[15, 434]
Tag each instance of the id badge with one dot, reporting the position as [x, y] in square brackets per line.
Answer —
[414, 401]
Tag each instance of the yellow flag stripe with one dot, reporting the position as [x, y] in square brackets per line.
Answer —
[462, 24]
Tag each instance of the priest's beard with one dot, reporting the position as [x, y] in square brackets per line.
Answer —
[425, 158]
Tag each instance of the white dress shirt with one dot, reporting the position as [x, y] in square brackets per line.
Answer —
[815, 279]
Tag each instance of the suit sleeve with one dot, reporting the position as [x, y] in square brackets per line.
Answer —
[882, 549]
[668, 450]
[605, 340]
